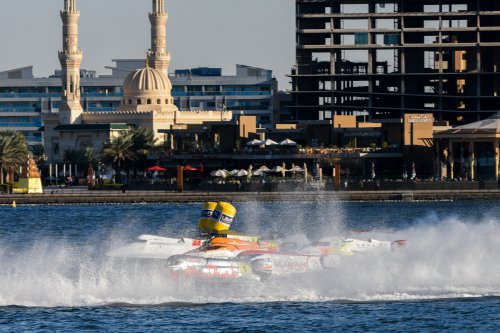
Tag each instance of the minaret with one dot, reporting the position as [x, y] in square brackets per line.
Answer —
[158, 57]
[70, 58]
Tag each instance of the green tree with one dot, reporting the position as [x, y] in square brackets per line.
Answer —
[13, 151]
[143, 138]
[144, 142]
[38, 152]
[76, 157]
[91, 157]
[120, 151]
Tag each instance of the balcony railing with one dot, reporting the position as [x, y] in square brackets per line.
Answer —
[26, 109]
[25, 124]
[56, 94]
[220, 93]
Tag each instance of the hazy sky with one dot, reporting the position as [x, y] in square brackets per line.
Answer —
[214, 33]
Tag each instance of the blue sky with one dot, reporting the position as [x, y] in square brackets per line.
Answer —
[216, 33]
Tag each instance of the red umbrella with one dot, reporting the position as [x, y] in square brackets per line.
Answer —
[156, 168]
[190, 168]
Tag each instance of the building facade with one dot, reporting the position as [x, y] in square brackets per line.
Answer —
[381, 59]
[24, 98]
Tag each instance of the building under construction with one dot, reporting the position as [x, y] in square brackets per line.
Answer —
[381, 59]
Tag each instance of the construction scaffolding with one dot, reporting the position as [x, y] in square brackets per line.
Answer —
[381, 59]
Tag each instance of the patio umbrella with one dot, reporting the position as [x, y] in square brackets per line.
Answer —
[219, 173]
[288, 142]
[255, 142]
[277, 168]
[259, 173]
[296, 168]
[190, 168]
[264, 168]
[242, 173]
[270, 142]
[156, 168]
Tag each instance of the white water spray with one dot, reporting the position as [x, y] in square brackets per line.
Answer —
[442, 259]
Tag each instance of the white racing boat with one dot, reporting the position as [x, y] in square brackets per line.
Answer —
[221, 254]
[156, 247]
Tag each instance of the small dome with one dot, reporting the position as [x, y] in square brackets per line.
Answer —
[147, 80]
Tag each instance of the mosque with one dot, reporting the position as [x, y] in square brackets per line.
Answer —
[147, 100]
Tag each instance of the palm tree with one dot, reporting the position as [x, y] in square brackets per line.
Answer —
[13, 152]
[75, 156]
[143, 138]
[38, 152]
[144, 141]
[119, 151]
[91, 156]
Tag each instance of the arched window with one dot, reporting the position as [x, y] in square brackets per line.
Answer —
[129, 101]
[158, 101]
[166, 101]
[149, 101]
[139, 102]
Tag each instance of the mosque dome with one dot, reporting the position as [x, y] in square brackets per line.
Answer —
[147, 86]
[146, 79]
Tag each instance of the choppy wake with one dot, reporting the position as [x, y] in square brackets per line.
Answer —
[442, 259]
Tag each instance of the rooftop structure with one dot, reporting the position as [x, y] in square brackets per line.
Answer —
[380, 59]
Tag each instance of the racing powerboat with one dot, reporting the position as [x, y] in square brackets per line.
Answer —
[156, 247]
[220, 253]
[226, 259]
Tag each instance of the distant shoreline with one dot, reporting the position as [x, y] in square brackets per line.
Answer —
[117, 197]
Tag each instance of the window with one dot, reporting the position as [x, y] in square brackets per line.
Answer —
[194, 88]
[149, 101]
[158, 101]
[129, 101]
[139, 102]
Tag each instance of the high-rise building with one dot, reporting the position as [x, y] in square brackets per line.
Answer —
[381, 59]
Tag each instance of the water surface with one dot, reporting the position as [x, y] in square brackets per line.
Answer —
[55, 275]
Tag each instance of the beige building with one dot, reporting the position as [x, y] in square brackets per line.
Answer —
[471, 151]
[147, 100]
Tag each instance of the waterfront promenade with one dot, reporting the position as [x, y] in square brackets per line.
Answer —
[81, 195]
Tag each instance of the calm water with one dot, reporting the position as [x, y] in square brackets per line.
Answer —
[55, 276]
